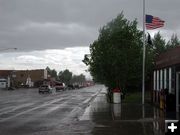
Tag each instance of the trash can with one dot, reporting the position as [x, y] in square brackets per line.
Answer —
[116, 96]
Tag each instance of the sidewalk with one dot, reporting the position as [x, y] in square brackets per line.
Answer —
[123, 119]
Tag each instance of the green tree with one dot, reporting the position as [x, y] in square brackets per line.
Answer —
[150, 59]
[173, 42]
[78, 78]
[159, 44]
[48, 70]
[52, 72]
[115, 58]
[82, 78]
[65, 76]
[152, 51]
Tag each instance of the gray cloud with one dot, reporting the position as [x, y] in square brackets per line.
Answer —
[57, 24]
[61, 30]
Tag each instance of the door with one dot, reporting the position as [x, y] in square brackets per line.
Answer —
[177, 92]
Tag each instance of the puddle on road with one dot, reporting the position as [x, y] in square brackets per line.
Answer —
[124, 118]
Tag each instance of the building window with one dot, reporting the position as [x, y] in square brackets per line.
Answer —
[165, 78]
[161, 79]
[170, 79]
[154, 81]
[173, 76]
[157, 80]
[22, 75]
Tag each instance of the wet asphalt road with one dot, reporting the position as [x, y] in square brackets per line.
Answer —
[76, 112]
[26, 112]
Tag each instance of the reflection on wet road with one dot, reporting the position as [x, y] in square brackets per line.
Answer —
[75, 112]
[125, 119]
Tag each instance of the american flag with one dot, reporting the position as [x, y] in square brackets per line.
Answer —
[153, 22]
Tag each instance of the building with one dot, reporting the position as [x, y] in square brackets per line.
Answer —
[29, 78]
[166, 76]
[5, 78]
[5, 73]
[3, 83]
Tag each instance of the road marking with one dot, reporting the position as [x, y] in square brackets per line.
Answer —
[32, 109]
[5, 109]
[85, 115]
[54, 108]
[92, 97]
[87, 109]
[16, 108]
[75, 111]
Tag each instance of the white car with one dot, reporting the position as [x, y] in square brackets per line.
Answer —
[45, 89]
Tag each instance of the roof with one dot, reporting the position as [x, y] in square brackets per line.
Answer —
[5, 73]
[168, 58]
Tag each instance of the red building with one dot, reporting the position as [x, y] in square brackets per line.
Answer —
[166, 76]
[25, 77]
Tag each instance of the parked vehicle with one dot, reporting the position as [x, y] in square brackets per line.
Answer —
[3, 83]
[45, 89]
[76, 86]
[70, 87]
[81, 86]
[60, 86]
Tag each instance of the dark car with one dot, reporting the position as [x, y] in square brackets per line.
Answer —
[70, 87]
[76, 86]
[45, 89]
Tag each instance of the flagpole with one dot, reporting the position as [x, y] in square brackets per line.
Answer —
[144, 52]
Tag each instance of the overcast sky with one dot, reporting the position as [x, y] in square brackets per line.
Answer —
[57, 33]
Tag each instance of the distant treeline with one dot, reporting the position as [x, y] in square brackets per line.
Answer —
[66, 76]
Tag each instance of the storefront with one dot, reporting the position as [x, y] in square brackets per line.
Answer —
[166, 77]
